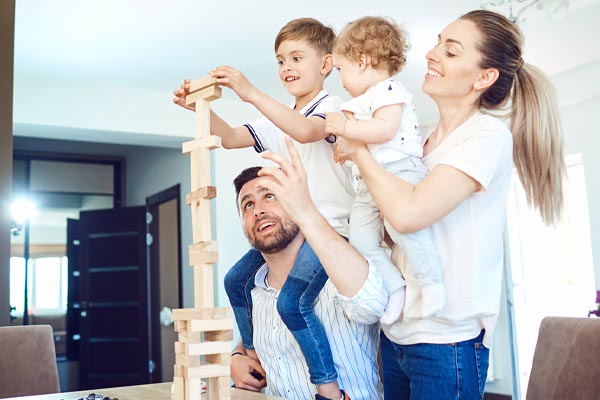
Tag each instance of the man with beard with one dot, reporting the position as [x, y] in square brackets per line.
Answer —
[349, 312]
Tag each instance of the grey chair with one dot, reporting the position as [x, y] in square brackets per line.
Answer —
[566, 362]
[27, 361]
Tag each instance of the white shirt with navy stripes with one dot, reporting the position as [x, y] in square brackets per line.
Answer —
[329, 183]
[352, 328]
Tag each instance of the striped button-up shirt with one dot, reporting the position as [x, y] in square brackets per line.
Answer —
[352, 328]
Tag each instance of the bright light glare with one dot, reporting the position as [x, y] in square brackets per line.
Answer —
[22, 210]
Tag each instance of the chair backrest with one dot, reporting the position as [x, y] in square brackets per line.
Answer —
[27, 361]
[566, 362]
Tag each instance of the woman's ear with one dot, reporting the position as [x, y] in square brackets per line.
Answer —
[486, 79]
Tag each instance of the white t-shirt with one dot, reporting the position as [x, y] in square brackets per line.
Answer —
[407, 142]
[328, 182]
[468, 240]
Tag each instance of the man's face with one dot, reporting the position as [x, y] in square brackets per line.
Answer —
[265, 224]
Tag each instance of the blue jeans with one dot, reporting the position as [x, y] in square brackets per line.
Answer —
[295, 305]
[453, 371]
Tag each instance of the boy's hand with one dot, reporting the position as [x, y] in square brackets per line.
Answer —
[335, 124]
[181, 93]
[234, 80]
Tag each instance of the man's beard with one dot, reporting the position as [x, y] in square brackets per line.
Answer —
[278, 240]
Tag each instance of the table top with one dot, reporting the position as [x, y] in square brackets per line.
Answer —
[155, 391]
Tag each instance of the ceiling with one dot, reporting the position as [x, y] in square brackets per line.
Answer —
[103, 70]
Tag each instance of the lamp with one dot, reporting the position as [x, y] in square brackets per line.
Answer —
[554, 9]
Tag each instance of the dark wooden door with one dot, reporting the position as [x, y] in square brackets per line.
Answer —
[113, 298]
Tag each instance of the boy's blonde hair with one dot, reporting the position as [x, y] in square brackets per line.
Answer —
[318, 36]
[379, 38]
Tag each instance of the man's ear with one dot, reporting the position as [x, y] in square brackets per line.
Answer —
[327, 64]
[486, 79]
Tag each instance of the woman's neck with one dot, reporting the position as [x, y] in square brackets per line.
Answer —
[452, 116]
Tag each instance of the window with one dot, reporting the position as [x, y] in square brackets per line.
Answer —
[47, 285]
[551, 269]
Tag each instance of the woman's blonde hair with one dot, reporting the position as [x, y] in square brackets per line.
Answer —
[380, 38]
[534, 118]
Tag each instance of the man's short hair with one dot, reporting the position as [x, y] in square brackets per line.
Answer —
[244, 177]
[317, 35]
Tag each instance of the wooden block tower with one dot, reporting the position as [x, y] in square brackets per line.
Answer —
[204, 332]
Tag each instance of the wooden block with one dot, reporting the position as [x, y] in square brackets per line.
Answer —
[206, 371]
[202, 119]
[218, 388]
[200, 349]
[204, 296]
[180, 348]
[186, 360]
[207, 192]
[180, 326]
[201, 226]
[207, 94]
[189, 337]
[193, 388]
[179, 386]
[204, 253]
[220, 358]
[212, 325]
[200, 168]
[202, 83]
[177, 371]
[211, 142]
[188, 314]
[219, 336]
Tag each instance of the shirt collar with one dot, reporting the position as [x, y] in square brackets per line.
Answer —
[260, 279]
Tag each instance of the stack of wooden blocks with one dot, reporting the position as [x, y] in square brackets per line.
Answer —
[205, 332]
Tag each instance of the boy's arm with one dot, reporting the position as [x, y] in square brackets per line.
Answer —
[296, 125]
[381, 128]
[336, 255]
[231, 138]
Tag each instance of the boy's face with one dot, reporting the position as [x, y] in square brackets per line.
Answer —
[302, 69]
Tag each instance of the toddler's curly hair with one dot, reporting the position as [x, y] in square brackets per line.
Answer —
[378, 37]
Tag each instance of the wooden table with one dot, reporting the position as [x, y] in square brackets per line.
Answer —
[155, 391]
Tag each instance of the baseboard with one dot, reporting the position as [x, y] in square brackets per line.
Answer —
[493, 396]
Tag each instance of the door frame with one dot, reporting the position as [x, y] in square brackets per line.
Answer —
[153, 202]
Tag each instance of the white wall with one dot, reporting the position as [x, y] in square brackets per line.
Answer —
[579, 98]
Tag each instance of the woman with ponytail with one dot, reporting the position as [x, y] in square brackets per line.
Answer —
[475, 74]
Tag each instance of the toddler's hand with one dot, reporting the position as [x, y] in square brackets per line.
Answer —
[341, 154]
[335, 123]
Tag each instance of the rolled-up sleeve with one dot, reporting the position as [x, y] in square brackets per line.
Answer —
[366, 306]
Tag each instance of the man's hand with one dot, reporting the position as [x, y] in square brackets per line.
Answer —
[335, 124]
[242, 369]
[181, 93]
[234, 80]
[289, 183]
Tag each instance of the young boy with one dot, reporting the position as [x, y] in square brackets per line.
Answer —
[303, 52]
